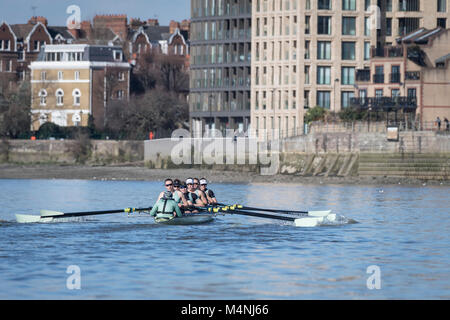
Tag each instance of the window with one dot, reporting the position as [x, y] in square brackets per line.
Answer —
[349, 26]
[349, 5]
[119, 95]
[77, 75]
[412, 93]
[307, 24]
[348, 75]
[348, 50]
[117, 55]
[366, 50]
[323, 75]
[324, 50]
[59, 97]
[442, 22]
[60, 75]
[306, 74]
[121, 76]
[324, 25]
[76, 97]
[395, 93]
[379, 93]
[42, 97]
[442, 5]
[346, 97]
[43, 75]
[324, 4]
[323, 99]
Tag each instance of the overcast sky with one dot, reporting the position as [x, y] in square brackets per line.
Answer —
[20, 11]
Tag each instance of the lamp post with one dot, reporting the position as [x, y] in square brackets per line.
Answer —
[336, 81]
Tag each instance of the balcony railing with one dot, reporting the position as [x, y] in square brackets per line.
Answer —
[385, 103]
[387, 52]
[363, 75]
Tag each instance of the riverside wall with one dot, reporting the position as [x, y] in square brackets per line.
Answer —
[68, 151]
[416, 154]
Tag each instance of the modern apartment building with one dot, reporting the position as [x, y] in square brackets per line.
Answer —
[306, 53]
[220, 65]
[69, 83]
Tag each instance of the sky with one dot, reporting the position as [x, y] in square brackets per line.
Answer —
[20, 11]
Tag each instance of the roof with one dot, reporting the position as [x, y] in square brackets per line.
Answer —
[55, 30]
[421, 36]
[102, 53]
[22, 30]
[92, 53]
[155, 33]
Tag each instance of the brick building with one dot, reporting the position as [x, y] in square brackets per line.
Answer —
[72, 82]
[412, 76]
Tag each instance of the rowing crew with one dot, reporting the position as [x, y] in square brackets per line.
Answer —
[181, 198]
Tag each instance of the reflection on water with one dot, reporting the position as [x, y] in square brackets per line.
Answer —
[403, 230]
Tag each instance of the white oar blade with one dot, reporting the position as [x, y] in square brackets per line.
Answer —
[319, 213]
[308, 222]
[24, 218]
[50, 213]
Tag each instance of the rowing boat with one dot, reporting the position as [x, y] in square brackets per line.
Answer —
[299, 218]
[191, 219]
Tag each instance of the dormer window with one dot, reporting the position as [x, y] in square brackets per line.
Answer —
[117, 55]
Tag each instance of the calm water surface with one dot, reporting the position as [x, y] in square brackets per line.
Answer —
[402, 230]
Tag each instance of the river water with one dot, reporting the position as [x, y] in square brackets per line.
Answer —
[400, 245]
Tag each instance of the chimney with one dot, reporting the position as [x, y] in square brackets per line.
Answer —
[85, 29]
[35, 20]
[173, 26]
[118, 23]
[152, 22]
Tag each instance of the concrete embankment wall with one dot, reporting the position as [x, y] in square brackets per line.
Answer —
[68, 151]
[422, 155]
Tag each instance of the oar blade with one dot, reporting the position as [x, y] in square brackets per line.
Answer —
[319, 213]
[50, 213]
[308, 222]
[26, 218]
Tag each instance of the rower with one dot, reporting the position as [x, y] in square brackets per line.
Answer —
[166, 207]
[199, 192]
[177, 195]
[192, 195]
[210, 196]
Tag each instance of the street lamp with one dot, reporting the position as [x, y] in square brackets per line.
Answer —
[336, 81]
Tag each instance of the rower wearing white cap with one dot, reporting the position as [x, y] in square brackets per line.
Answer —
[192, 196]
[210, 196]
[199, 192]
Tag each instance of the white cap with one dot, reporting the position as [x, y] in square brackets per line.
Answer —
[203, 181]
[189, 181]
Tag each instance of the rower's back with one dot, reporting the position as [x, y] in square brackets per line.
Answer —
[166, 207]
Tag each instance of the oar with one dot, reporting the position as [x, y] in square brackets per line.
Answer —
[48, 215]
[309, 213]
[298, 222]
